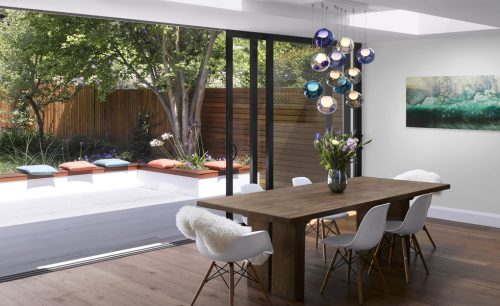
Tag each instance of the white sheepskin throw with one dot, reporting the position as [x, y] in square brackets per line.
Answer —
[420, 176]
[216, 231]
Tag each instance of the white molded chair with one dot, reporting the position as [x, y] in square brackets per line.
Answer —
[249, 188]
[301, 180]
[241, 249]
[368, 235]
[421, 176]
[406, 230]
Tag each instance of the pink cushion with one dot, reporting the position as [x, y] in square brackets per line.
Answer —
[164, 163]
[80, 165]
[220, 165]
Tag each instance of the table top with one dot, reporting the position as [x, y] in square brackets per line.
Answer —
[303, 203]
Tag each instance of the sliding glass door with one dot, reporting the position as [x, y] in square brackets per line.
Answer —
[296, 118]
[269, 121]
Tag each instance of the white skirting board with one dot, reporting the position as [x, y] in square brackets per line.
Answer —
[465, 216]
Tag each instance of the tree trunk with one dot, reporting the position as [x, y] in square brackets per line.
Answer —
[183, 113]
[39, 120]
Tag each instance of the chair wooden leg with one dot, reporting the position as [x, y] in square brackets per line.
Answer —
[330, 270]
[380, 273]
[323, 236]
[257, 278]
[391, 248]
[405, 258]
[336, 227]
[429, 236]
[419, 252]
[349, 260]
[203, 282]
[317, 232]
[377, 250]
[359, 277]
[231, 284]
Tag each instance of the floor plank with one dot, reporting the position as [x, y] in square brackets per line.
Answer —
[464, 270]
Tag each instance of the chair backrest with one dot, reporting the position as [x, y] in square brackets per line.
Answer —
[248, 246]
[371, 229]
[300, 180]
[416, 215]
[419, 175]
[250, 188]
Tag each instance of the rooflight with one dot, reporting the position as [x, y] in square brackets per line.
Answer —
[402, 21]
[235, 5]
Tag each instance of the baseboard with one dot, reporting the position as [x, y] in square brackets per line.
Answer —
[465, 216]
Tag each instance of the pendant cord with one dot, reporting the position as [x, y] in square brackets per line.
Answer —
[352, 25]
[314, 31]
[365, 28]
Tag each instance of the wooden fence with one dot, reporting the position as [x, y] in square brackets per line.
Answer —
[296, 121]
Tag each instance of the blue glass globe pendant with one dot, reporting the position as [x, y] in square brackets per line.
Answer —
[365, 55]
[337, 59]
[313, 89]
[343, 88]
[324, 38]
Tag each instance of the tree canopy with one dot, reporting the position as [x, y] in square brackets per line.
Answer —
[46, 58]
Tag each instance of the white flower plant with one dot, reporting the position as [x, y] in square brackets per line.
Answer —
[166, 142]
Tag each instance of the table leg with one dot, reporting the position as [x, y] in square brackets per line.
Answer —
[360, 214]
[398, 210]
[288, 263]
[263, 270]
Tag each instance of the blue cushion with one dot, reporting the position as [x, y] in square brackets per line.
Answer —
[37, 169]
[111, 162]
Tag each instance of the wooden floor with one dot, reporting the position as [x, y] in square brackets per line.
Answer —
[464, 270]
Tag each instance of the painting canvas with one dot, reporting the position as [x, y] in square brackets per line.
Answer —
[453, 102]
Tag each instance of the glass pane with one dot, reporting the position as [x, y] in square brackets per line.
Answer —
[296, 118]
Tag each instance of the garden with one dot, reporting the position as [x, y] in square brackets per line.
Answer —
[50, 61]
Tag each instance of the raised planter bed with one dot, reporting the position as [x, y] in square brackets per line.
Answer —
[192, 183]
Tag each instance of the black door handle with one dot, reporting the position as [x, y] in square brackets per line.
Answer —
[234, 152]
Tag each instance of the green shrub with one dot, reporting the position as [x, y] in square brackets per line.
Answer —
[12, 139]
[139, 144]
[126, 155]
[79, 146]
[27, 154]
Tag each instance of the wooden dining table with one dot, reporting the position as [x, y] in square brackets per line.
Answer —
[284, 213]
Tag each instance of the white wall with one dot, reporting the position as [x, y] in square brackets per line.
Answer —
[468, 160]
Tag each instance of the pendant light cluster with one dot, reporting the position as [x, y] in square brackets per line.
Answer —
[340, 79]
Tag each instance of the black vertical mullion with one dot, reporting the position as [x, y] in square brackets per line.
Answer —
[253, 110]
[347, 109]
[229, 116]
[269, 113]
[357, 119]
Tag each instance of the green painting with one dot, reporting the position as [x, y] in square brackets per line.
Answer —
[453, 102]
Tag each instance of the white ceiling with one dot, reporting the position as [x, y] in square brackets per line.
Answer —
[286, 17]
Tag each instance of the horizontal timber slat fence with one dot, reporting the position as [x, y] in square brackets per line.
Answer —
[296, 121]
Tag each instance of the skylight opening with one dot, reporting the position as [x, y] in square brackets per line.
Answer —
[235, 5]
[408, 22]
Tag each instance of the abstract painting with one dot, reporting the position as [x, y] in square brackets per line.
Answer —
[453, 102]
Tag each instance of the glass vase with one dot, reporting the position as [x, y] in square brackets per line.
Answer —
[337, 180]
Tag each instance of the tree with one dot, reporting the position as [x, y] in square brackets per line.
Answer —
[35, 67]
[171, 61]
